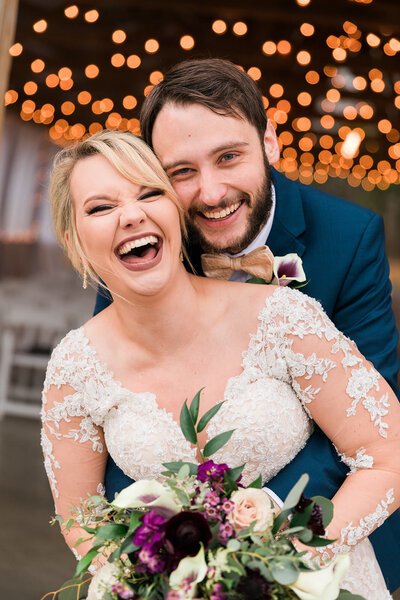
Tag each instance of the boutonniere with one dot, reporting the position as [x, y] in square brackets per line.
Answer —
[286, 269]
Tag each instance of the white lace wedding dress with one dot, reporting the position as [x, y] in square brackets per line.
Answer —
[296, 365]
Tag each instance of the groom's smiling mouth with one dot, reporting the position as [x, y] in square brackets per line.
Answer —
[220, 215]
[141, 252]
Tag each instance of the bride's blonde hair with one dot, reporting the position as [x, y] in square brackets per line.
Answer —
[130, 156]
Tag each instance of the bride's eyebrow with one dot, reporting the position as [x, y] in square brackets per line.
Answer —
[96, 197]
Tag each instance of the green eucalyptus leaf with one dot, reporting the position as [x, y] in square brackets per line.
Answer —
[111, 531]
[69, 524]
[194, 406]
[284, 571]
[306, 536]
[217, 442]
[85, 561]
[233, 545]
[187, 425]
[280, 519]
[235, 473]
[245, 559]
[89, 529]
[295, 493]
[262, 567]
[134, 521]
[96, 501]
[175, 466]
[327, 509]
[257, 483]
[208, 416]
[127, 546]
[257, 280]
[317, 541]
[183, 472]
[346, 595]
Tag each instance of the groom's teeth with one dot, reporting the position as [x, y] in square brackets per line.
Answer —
[220, 214]
[150, 239]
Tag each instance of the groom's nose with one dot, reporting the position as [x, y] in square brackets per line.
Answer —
[212, 190]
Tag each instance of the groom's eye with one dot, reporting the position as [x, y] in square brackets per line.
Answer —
[228, 157]
[180, 172]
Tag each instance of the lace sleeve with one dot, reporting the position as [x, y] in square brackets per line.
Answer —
[353, 405]
[73, 446]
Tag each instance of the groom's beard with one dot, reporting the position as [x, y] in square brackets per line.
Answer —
[261, 204]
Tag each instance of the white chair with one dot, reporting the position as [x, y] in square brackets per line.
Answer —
[27, 337]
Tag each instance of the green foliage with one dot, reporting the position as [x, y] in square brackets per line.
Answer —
[216, 443]
[206, 418]
[187, 424]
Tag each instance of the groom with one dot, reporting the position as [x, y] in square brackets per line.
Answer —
[207, 124]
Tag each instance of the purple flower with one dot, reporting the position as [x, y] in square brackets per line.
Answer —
[185, 532]
[225, 531]
[288, 268]
[211, 471]
[218, 593]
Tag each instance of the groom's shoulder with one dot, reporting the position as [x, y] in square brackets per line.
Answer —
[320, 205]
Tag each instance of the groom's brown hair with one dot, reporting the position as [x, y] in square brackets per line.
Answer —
[217, 84]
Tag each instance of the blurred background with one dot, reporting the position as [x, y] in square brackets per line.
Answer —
[329, 73]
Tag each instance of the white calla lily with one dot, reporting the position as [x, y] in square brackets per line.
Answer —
[288, 268]
[148, 494]
[191, 569]
[323, 584]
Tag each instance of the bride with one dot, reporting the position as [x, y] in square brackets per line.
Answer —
[116, 384]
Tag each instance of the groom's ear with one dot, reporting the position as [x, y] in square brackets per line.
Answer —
[271, 144]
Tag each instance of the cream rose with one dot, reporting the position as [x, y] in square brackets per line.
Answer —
[250, 505]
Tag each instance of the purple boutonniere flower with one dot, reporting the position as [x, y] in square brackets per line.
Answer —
[288, 268]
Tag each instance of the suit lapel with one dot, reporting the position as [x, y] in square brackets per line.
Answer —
[289, 223]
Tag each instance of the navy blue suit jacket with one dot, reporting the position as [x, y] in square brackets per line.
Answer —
[343, 252]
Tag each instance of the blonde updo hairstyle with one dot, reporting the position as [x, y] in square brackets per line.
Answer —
[130, 156]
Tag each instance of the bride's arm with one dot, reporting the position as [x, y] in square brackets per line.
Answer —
[356, 409]
[74, 456]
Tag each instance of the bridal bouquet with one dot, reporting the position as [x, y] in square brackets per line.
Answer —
[202, 534]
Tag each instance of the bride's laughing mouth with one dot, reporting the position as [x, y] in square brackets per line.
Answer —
[140, 252]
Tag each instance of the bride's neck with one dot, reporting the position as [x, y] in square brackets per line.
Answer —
[158, 320]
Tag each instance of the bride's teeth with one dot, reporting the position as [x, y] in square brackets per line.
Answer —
[222, 213]
[150, 239]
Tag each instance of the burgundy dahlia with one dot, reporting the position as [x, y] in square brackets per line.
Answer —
[185, 532]
[253, 586]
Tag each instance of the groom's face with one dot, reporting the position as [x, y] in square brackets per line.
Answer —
[219, 169]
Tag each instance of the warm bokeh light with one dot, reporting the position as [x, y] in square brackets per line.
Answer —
[349, 27]
[307, 29]
[156, 77]
[255, 73]
[269, 48]
[16, 49]
[67, 108]
[286, 138]
[71, 11]
[40, 26]
[312, 77]
[10, 97]
[113, 120]
[377, 85]
[239, 28]
[339, 54]
[338, 81]
[350, 112]
[327, 121]
[303, 2]
[303, 57]
[129, 102]
[397, 102]
[52, 80]
[37, 65]
[95, 128]
[66, 84]
[304, 99]
[384, 126]
[28, 106]
[30, 88]
[151, 46]
[96, 107]
[375, 74]
[91, 16]
[333, 95]
[117, 60]
[186, 42]
[84, 97]
[326, 141]
[302, 124]
[366, 161]
[118, 36]
[91, 71]
[305, 144]
[284, 47]
[276, 90]
[366, 111]
[394, 44]
[133, 61]
[332, 42]
[388, 50]
[359, 83]
[219, 26]
[283, 105]
[64, 73]
[147, 90]
[373, 40]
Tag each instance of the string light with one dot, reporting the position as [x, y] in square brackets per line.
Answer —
[303, 57]
[129, 102]
[71, 12]
[155, 77]
[269, 48]
[40, 26]
[91, 71]
[284, 47]
[37, 65]
[30, 88]
[118, 36]
[307, 29]
[16, 49]
[255, 73]
[187, 42]
[133, 61]
[151, 46]
[84, 97]
[239, 28]
[117, 60]
[91, 16]
[219, 27]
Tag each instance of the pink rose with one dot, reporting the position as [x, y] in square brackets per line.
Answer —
[252, 504]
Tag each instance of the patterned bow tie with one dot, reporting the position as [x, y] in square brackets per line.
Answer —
[258, 263]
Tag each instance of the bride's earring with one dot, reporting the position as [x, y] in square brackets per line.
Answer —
[84, 284]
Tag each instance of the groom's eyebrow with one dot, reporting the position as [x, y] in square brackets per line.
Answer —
[230, 145]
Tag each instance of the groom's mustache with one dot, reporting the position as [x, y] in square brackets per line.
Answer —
[225, 203]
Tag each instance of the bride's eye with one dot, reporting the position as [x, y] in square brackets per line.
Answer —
[100, 208]
[151, 195]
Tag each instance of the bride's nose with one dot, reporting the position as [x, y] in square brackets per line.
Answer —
[131, 215]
